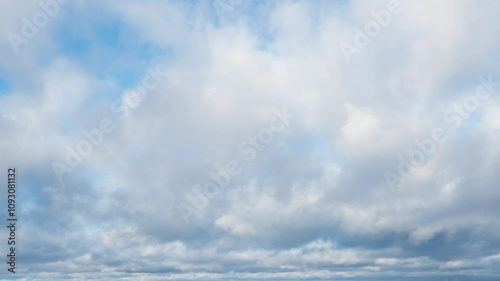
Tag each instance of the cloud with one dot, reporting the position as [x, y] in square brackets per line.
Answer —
[314, 202]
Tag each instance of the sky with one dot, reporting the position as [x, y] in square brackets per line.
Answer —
[251, 139]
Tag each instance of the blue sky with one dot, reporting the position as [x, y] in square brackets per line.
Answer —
[252, 140]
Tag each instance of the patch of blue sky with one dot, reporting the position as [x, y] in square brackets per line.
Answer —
[97, 178]
[469, 125]
[109, 50]
[5, 88]
[306, 145]
[475, 118]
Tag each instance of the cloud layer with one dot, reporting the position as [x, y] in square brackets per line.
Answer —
[311, 202]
